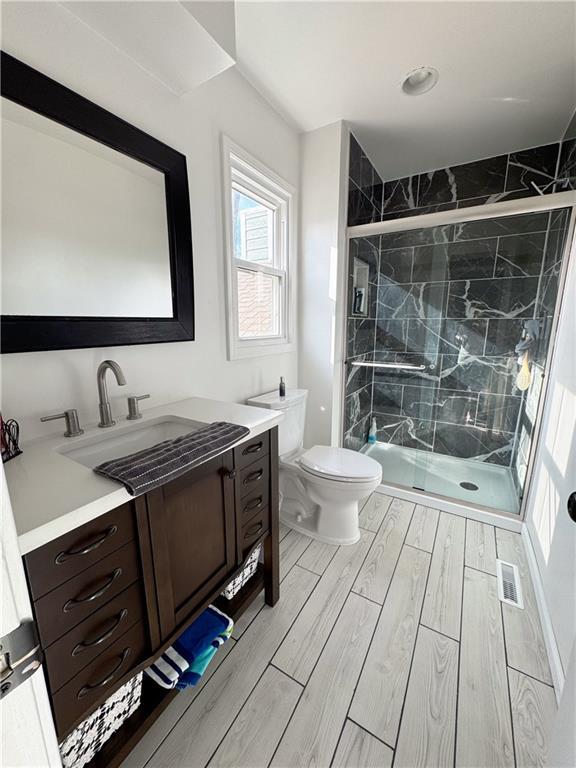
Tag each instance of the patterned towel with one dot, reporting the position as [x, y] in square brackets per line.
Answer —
[141, 472]
[184, 663]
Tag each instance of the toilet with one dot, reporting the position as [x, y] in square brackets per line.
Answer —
[320, 487]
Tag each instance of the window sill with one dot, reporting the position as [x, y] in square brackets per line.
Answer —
[244, 350]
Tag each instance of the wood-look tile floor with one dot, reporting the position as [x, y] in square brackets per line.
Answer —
[393, 652]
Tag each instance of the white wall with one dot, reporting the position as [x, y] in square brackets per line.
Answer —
[551, 531]
[52, 40]
[320, 259]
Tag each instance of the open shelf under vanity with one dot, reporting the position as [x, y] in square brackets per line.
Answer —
[155, 699]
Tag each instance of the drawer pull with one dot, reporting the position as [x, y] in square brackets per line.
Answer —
[254, 529]
[253, 448]
[63, 556]
[254, 504]
[88, 688]
[99, 592]
[253, 476]
[85, 644]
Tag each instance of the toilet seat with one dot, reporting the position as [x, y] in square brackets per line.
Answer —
[340, 464]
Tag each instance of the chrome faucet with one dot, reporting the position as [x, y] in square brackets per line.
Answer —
[106, 419]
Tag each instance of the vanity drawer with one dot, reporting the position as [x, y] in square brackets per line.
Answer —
[65, 557]
[251, 450]
[68, 605]
[79, 647]
[253, 529]
[96, 681]
[251, 505]
[254, 478]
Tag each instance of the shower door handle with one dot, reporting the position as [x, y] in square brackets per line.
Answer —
[392, 366]
[572, 505]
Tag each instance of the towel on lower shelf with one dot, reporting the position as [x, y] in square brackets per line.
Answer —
[184, 663]
[142, 471]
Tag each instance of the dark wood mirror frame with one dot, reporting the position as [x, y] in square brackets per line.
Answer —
[21, 333]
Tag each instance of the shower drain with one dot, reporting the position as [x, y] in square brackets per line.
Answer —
[469, 486]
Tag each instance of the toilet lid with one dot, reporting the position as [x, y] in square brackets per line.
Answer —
[340, 463]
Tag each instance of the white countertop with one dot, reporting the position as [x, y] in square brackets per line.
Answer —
[52, 494]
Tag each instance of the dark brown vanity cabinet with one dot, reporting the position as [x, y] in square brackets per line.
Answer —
[111, 595]
[192, 532]
[88, 598]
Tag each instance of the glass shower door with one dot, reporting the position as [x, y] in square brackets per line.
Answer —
[446, 351]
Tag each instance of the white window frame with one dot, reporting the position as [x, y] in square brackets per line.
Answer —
[239, 167]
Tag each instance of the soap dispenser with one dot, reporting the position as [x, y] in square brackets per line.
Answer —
[372, 432]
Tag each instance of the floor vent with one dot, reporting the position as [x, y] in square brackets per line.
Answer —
[509, 586]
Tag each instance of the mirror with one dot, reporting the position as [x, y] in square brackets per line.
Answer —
[96, 237]
[81, 221]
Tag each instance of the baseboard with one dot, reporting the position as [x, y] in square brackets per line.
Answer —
[454, 508]
[554, 660]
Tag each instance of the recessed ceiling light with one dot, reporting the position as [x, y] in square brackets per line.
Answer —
[420, 80]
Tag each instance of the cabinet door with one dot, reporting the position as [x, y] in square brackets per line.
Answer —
[192, 530]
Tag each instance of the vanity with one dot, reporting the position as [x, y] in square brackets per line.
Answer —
[115, 579]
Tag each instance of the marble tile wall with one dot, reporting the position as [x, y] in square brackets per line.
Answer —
[365, 188]
[361, 340]
[552, 168]
[506, 177]
[454, 299]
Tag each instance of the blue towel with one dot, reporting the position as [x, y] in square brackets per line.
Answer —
[184, 663]
[197, 668]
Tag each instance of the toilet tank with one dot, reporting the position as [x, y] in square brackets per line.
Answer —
[291, 428]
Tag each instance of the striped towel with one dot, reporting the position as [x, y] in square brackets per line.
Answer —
[141, 472]
[183, 663]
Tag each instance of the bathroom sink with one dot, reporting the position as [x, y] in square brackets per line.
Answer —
[126, 439]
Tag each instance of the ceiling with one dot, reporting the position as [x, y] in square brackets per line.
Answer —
[507, 74]
[507, 69]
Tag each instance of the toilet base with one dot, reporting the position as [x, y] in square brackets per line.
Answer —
[326, 509]
[307, 526]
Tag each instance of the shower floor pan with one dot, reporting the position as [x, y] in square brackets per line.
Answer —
[474, 482]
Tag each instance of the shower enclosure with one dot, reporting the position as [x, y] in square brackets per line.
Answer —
[448, 333]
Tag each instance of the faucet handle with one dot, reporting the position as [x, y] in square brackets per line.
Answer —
[133, 408]
[72, 423]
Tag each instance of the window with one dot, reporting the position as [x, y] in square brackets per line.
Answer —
[259, 239]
